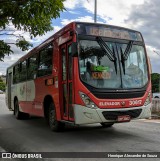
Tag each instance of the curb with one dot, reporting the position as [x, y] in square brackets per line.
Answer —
[154, 116]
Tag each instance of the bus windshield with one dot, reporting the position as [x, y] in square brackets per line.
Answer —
[116, 69]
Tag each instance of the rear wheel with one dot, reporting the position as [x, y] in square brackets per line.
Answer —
[107, 124]
[19, 115]
[53, 123]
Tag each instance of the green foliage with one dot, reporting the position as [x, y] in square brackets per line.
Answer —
[155, 79]
[33, 16]
[4, 49]
[1, 80]
[23, 44]
[2, 85]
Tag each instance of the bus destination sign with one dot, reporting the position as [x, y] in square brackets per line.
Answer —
[113, 33]
[106, 32]
[110, 32]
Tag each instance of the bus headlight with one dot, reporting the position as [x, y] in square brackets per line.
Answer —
[87, 101]
[148, 99]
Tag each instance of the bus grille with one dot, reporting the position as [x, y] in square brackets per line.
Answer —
[118, 95]
[113, 115]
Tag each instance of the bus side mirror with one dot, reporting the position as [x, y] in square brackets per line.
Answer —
[74, 49]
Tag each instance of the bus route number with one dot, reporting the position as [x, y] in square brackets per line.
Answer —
[135, 102]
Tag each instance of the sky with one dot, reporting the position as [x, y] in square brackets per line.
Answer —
[140, 15]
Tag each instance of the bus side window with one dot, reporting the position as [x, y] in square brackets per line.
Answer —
[16, 74]
[32, 67]
[23, 71]
[45, 61]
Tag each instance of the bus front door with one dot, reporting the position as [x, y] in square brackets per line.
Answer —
[66, 86]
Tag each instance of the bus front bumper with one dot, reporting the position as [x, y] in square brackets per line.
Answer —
[85, 115]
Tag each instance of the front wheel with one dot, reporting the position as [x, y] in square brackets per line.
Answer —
[53, 123]
[107, 124]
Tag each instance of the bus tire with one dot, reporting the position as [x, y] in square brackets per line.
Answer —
[53, 123]
[106, 124]
[19, 115]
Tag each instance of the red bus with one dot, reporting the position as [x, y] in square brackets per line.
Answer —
[85, 73]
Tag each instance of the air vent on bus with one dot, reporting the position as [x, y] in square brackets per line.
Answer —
[124, 95]
[112, 115]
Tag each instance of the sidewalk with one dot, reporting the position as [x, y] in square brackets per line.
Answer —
[155, 116]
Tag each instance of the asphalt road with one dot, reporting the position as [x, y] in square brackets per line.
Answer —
[34, 135]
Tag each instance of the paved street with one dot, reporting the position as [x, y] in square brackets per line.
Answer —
[34, 135]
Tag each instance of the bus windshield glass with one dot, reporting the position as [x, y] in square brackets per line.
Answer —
[113, 68]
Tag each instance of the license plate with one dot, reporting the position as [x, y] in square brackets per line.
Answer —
[124, 118]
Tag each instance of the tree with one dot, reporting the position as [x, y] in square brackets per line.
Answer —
[155, 78]
[2, 85]
[32, 16]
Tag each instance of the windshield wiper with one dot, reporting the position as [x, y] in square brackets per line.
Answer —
[124, 56]
[110, 53]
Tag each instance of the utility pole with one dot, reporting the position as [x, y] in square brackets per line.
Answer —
[95, 11]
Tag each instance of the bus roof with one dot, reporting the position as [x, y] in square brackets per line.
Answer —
[62, 31]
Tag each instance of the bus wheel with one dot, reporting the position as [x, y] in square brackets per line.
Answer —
[19, 115]
[107, 124]
[53, 123]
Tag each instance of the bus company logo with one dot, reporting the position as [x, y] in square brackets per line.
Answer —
[22, 89]
[109, 103]
[123, 103]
